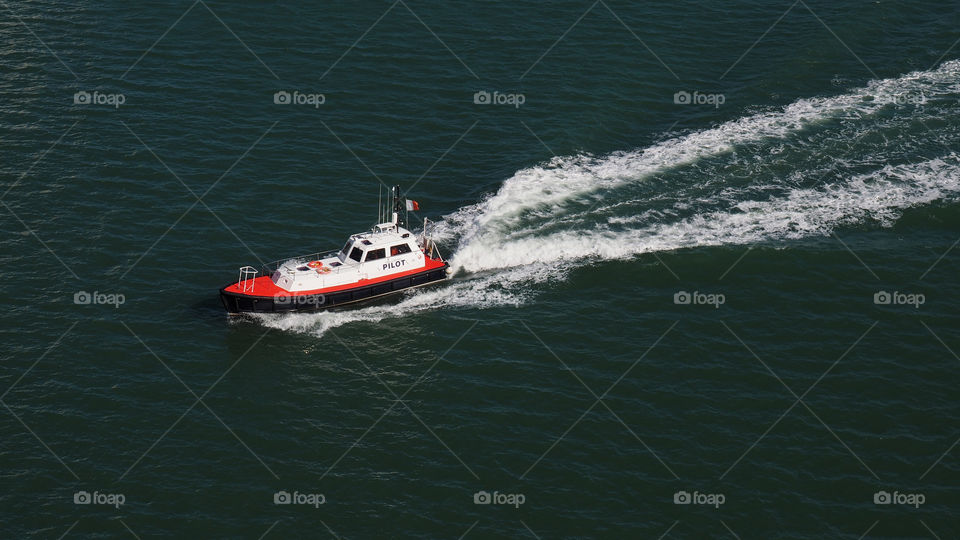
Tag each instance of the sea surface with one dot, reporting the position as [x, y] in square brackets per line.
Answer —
[706, 263]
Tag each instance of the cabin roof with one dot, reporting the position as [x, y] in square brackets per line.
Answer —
[385, 234]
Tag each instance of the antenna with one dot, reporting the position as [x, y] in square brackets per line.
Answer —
[379, 203]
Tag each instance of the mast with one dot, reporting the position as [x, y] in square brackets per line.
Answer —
[398, 208]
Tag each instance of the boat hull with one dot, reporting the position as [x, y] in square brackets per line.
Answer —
[236, 303]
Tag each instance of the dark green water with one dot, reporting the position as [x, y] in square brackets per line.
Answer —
[560, 368]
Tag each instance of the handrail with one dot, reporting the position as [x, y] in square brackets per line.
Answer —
[272, 267]
[247, 278]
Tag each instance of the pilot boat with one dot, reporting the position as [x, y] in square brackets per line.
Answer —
[386, 260]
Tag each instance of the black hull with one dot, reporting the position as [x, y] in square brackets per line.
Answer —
[241, 303]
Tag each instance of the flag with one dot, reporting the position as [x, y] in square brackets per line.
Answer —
[412, 206]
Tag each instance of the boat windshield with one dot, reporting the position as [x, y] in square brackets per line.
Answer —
[343, 252]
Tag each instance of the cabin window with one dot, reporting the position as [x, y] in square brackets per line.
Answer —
[356, 254]
[345, 252]
[375, 254]
[399, 249]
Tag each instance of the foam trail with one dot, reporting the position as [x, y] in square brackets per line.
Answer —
[506, 241]
[564, 179]
[880, 196]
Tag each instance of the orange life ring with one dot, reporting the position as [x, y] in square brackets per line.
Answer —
[323, 270]
[314, 264]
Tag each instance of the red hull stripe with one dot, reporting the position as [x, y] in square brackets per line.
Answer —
[264, 285]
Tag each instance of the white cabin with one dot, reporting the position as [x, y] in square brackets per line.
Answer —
[386, 250]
